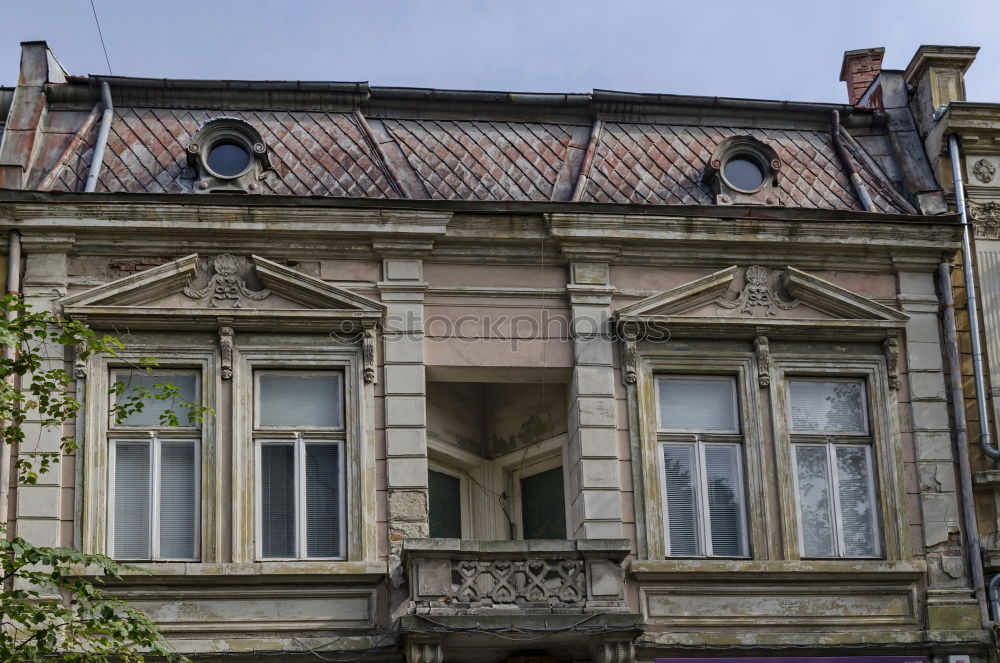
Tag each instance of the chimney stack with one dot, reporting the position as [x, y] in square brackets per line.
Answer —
[859, 69]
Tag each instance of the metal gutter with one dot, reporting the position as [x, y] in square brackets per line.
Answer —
[845, 161]
[97, 160]
[969, 521]
[376, 147]
[971, 302]
[588, 160]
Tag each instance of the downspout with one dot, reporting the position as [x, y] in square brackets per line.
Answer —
[971, 303]
[14, 288]
[102, 138]
[838, 145]
[962, 445]
[991, 591]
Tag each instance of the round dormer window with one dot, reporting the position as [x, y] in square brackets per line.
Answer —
[744, 172]
[228, 158]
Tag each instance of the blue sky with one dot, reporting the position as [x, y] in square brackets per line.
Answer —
[770, 49]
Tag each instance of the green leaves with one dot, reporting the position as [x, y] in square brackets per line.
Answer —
[53, 609]
[49, 606]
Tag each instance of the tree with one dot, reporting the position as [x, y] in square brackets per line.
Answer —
[48, 607]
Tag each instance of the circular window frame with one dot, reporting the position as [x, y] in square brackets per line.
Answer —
[234, 131]
[743, 147]
[753, 157]
[228, 140]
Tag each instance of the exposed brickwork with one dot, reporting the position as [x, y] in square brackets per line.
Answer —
[860, 68]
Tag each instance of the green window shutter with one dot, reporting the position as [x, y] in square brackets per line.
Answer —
[543, 506]
[445, 505]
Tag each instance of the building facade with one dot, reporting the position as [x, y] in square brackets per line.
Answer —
[500, 376]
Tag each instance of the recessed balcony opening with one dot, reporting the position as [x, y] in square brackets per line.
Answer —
[496, 459]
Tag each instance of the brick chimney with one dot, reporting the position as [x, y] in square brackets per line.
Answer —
[859, 69]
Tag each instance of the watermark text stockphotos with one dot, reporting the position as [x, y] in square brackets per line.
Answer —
[516, 328]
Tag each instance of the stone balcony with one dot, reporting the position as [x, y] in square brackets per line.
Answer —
[453, 577]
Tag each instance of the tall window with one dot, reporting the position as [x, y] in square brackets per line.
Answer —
[155, 471]
[700, 443]
[299, 432]
[834, 477]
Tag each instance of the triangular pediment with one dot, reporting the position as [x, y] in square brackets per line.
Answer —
[201, 289]
[759, 296]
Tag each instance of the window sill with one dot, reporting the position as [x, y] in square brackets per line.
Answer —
[833, 569]
[329, 571]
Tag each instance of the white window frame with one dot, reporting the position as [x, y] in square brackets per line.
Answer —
[154, 441]
[300, 442]
[153, 436]
[830, 442]
[696, 439]
[299, 436]
[304, 353]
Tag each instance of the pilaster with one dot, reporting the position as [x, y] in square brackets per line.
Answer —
[594, 463]
[402, 291]
[39, 515]
[950, 604]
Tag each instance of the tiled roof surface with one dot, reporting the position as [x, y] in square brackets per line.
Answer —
[659, 164]
[466, 160]
[315, 153]
[328, 154]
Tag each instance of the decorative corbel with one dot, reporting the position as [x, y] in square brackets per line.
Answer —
[891, 349]
[79, 365]
[226, 347]
[630, 352]
[763, 349]
[425, 652]
[368, 354]
[615, 651]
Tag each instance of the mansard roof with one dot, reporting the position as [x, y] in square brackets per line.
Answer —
[352, 140]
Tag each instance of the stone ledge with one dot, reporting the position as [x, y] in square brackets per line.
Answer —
[335, 572]
[550, 548]
[715, 569]
[776, 640]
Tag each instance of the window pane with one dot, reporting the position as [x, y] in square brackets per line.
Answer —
[543, 505]
[815, 518]
[277, 491]
[725, 501]
[187, 390]
[856, 501]
[178, 518]
[301, 400]
[445, 505]
[828, 407]
[679, 462]
[698, 404]
[132, 501]
[323, 500]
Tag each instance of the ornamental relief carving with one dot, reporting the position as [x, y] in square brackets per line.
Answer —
[762, 293]
[226, 288]
[984, 171]
[985, 219]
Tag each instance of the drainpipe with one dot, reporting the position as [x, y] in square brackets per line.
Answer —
[14, 288]
[970, 298]
[991, 591]
[838, 145]
[962, 445]
[102, 138]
